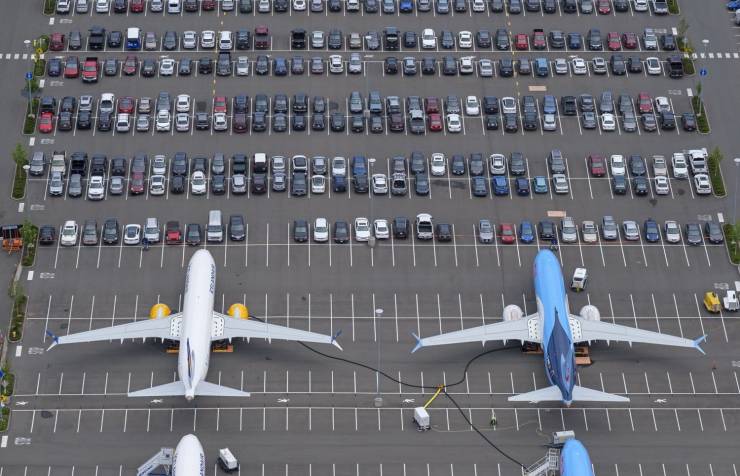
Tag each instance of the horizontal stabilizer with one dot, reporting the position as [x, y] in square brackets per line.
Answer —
[547, 394]
[173, 389]
[583, 394]
[209, 389]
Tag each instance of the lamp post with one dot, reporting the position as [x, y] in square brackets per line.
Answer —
[378, 397]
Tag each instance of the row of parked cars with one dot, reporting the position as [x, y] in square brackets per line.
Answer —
[387, 7]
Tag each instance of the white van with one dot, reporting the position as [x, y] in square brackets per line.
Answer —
[151, 230]
[224, 40]
[215, 228]
[259, 165]
[173, 6]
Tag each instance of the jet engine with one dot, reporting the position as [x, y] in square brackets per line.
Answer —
[590, 313]
[238, 310]
[513, 312]
[159, 310]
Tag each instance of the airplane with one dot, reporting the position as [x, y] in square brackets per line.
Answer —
[188, 459]
[556, 329]
[195, 327]
[574, 459]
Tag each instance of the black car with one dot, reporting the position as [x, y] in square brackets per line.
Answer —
[193, 234]
[341, 231]
[483, 39]
[619, 184]
[713, 232]
[110, 67]
[223, 65]
[218, 184]
[205, 66]
[335, 5]
[259, 183]
[84, 120]
[237, 228]
[148, 67]
[634, 64]
[517, 164]
[668, 42]
[337, 121]
[447, 40]
[47, 235]
[115, 39]
[556, 39]
[334, 40]
[506, 67]
[65, 121]
[409, 39]
[575, 41]
[568, 106]
[593, 39]
[640, 185]
[444, 232]
[177, 184]
[479, 186]
[54, 67]
[491, 122]
[619, 67]
[280, 6]
[280, 122]
[300, 231]
[457, 165]
[298, 122]
[120, 6]
[391, 65]
[184, 68]
[105, 121]
[502, 39]
[418, 163]
[546, 230]
[298, 184]
[169, 42]
[421, 181]
[637, 166]
[111, 230]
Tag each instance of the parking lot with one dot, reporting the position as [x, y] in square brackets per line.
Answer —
[309, 413]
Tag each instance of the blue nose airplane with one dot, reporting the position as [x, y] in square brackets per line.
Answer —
[556, 330]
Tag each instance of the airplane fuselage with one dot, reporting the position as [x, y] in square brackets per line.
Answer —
[552, 307]
[197, 312]
[189, 458]
[574, 460]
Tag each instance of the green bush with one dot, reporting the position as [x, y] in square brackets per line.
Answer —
[715, 172]
[39, 68]
[30, 237]
[701, 116]
[42, 42]
[688, 66]
[9, 380]
[732, 240]
[50, 6]
[673, 7]
[19, 313]
[4, 418]
[29, 125]
[19, 183]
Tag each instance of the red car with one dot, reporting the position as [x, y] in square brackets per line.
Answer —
[604, 7]
[126, 104]
[219, 104]
[644, 103]
[597, 165]
[431, 105]
[629, 40]
[521, 42]
[173, 234]
[137, 183]
[507, 233]
[434, 121]
[613, 42]
[539, 41]
[130, 65]
[46, 122]
[72, 67]
[56, 42]
[136, 6]
[207, 5]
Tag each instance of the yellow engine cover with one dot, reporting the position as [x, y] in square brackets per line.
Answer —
[238, 310]
[159, 310]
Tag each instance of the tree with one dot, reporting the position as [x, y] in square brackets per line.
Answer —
[682, 28]
[698, 88]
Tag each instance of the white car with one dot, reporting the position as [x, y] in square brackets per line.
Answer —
[472, 106]
[102, 6]
[64, 6]
[163, 121]
[497, 164]
[320, 230]
[485, 68]
[549, 123]
[339, 166]
[466, 65]
[208, 39]
[561, 66]
[263, 6]
[68, 235]
[159, 165]
[107, 102]
[95, 188]
[465, 39]
[630, 230]
[652, 65]
[640, 5]
[508, 105]
[589, 232]
[182, 122]
[560, 183]
[242, 66]
[123, 122]
[608, 122]
[362, 229]
[81, 6]
[479, 6]
[336, 65]
[189, 40]
[454, 124]
[318, 184]
[219, 121]
[672, 232]
[381, 229]
[662, 104]
[579, 66]
[299, 5]
[198, 183]
[702, 184]
[379, 184]
[132, 234]
[680, 166]
[157, 185]
[617, 165]
[428, 39]
[183, 103]
[438, 164]
[662, 187]
[166, 67]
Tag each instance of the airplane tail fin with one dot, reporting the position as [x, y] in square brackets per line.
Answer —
[580, 394]
[177, 389]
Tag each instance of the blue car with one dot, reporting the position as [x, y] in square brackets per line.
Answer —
[500, 185]
[733, 5]
[526, 232]
[522, 186]
[406, 6]
[540, 184]
[652, 231]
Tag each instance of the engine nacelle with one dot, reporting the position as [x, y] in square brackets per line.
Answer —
[238, 311]
[159, 310]
[590, 313]
[513, 312]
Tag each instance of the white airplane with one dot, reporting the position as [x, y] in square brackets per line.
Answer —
[556, 329]
[188, 459]
[195, 327]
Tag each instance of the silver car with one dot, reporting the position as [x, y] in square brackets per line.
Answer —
[568, 230]
[90, 233]
[56, 184]
[189, 40]
[609, 228]
[115, 185]
[485, 231]
[589, 233]
[238, 184]
[355, 64]
[143, 123]
[630, 230]
[672, 232]
[242, 66]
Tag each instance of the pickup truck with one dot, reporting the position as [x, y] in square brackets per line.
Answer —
[96, 39]
[660, 7]
[261, 37]
[90, 70]
[697, 161]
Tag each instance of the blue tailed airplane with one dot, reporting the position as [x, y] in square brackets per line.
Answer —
[556, 330]
[574, 460]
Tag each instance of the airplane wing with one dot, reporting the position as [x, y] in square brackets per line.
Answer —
[163, 328]
[226, 327]
[525, 329]
[587, 330]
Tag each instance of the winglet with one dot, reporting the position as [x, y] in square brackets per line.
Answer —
[699, 341]
[419, 343]
[334, 340]
[54, 340]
